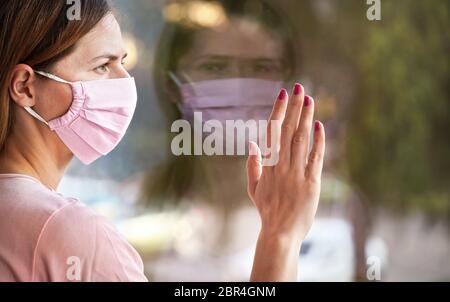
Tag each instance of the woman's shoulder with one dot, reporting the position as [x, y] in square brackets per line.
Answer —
[26, 205]
[24, 194]
[60, 231]
[76, 235]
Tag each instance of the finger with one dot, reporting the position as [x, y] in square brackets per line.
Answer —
[300, 142]
[254, 168]
[278, 113]
[315, 160]
[290, 122]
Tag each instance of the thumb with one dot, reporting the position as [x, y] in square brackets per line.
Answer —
[254, 168]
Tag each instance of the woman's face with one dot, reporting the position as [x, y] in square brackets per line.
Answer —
[98, 55]
[238, 49]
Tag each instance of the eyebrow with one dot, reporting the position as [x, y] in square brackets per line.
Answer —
[267, 60]
[110, 57]
[221, 57]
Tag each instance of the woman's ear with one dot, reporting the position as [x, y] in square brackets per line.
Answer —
[22, 85]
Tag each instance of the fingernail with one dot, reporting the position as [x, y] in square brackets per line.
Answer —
[317, 125]
[282, 94]
[251, 148]
[308, 101]
[297, 89]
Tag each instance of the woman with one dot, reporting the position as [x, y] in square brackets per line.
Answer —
[229, 70]
[255, 43]
[64, 92]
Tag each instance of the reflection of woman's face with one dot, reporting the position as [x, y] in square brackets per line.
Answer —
[238, 49]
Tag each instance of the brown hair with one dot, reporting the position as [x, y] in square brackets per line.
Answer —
[173, 178]
[38, 33]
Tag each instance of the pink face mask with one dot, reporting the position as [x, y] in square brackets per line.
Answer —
[98, 118]
[229, 99]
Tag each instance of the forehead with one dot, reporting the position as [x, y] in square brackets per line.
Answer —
[237, 38]
[105, 37]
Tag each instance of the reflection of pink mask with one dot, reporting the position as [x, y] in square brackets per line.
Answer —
[98, 118]
[229, 99]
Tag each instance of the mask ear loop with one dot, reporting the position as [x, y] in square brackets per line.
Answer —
[51, 77]
[174, 78]
[178, 82]
[58, 79]
[35, 115]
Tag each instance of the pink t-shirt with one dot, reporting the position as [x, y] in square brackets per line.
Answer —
[47, 237]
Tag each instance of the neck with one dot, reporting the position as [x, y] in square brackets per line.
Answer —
[36, 153]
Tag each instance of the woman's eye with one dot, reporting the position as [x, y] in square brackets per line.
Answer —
[102, 69]
[212, 67]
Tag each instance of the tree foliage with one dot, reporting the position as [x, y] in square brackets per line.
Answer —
[399, 139]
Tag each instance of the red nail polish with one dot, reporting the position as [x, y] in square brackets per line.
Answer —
[297, 89]
[317, 125]
[308, 101]
[282, 94]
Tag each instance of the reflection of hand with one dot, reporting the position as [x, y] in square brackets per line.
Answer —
[287, 194]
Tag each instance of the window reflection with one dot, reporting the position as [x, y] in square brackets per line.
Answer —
[189, 216]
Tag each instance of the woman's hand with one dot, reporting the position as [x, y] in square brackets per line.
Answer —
[286, 194]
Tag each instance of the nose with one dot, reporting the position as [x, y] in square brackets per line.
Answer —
[120, 73]
[124, 73]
